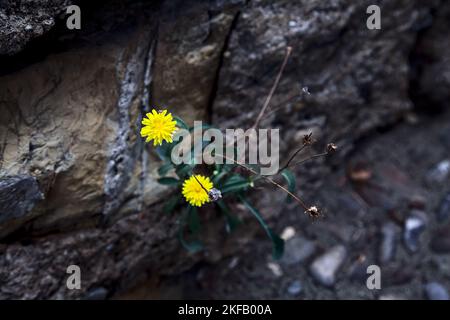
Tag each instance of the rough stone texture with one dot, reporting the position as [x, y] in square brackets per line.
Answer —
[70, 120]
[18, 195]
[21, 21]
[398, 173]
[192, 36]
[348, 69]
[431, 62]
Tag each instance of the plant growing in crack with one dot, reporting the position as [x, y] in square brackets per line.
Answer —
[221, 180]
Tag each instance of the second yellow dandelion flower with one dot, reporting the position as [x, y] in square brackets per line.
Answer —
[159, 127]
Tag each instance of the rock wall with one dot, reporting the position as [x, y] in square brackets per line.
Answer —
[77, 185]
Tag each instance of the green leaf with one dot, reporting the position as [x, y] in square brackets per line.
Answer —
[168, 181]
[194, 221]
[180, 123]
[193, 246]
[234, 184]
[232, 221]
[163, 151]
[216, 178]
[162, 171]
[277, 242]
[171, 204]
[290, 179]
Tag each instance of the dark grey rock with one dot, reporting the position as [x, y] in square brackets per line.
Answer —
[433, 82]
[18, 195]
[436, 291]
[413, 229]
[295, 288]
[440, 243]
[22, 21]
[324, 268]
[388, 242]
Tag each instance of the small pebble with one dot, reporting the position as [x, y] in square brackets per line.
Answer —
[295, 288]
[388, 242]
[297, 250]
[440, 172]
[292, 23]
[444, 209]
[275, 268]
[288, 233]
[414, 227]
[324, 268]
[306, 90]
[97, 294]
[436, 291]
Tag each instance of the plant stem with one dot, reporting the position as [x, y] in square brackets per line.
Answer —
[296, 198]
[274, 87]
[200, 184]
[292, 158]
[310, 158]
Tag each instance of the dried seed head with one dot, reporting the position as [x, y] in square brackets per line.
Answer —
[331, 148]
[313, 212]
[214, 194]
[307, 139]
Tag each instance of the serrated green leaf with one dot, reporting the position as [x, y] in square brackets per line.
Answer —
[168, 181]
[277, 242]
[290, 179]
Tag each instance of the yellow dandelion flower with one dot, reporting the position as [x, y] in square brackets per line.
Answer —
[197, 193]
[159, 127]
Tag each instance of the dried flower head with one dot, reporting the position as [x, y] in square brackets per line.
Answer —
[313, 212]
[331, 148]
[159, 126]
[307, 139]
[214, 194]
[196, 190]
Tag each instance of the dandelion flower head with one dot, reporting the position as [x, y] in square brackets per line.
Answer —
[196, 190]
[159, 127]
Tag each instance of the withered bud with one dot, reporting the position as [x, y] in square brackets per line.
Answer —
[307, 139]
[331, 148]
[313, 212]
[214, 194]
